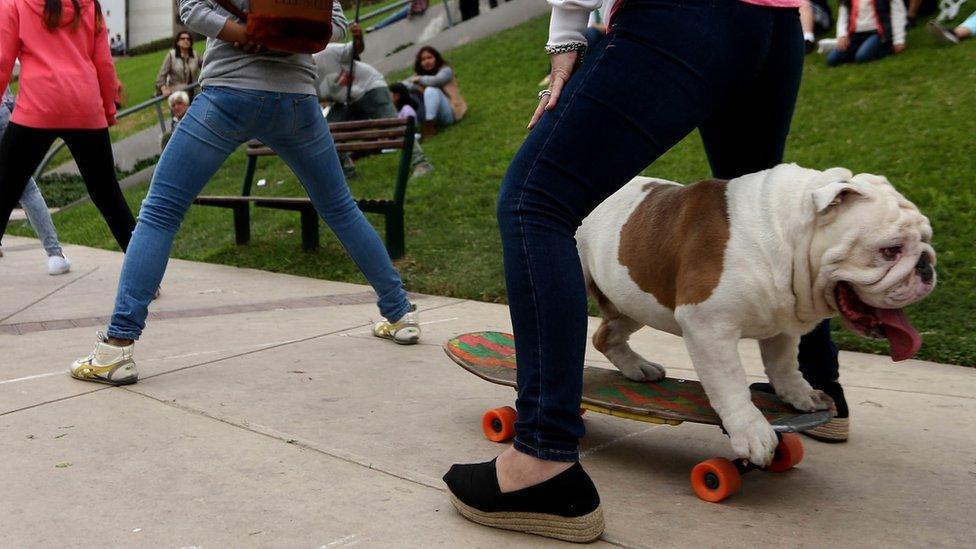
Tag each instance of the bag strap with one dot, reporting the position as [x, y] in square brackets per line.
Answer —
[234, 10]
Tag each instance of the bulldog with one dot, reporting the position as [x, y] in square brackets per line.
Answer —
[765, 256]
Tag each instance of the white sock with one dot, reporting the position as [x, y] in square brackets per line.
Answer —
[809, 37]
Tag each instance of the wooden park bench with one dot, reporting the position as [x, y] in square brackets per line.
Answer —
[365, 136]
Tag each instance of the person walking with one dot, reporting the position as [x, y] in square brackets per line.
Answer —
[248, 93]
[34, 206]
[68, 88]
[665, 68]
[181, 66]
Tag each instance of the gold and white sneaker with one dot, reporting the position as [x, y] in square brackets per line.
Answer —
[107, 364]
[405, 331]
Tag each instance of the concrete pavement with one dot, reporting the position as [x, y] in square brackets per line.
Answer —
[267, 415]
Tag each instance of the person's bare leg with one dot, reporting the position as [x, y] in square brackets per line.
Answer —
[962, 33]
[806, 17]
[807, 24]
[517, 470]
[912, 14]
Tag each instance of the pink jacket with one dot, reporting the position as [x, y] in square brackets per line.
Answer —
[67, 78]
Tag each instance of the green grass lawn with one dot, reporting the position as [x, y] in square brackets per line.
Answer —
[906, 117]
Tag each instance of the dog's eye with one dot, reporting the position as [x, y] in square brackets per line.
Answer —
[891, 252]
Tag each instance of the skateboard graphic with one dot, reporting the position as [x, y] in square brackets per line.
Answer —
[671, 401]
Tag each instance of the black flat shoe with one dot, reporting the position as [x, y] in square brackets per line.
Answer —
[565, 507]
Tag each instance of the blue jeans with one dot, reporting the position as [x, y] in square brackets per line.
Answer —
[666, 67]
[40, 218]
[970, 23]
[864, 47]
[219, 120]
[437, 107]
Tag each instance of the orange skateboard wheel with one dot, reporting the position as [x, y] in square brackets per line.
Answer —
[499, 424]
[715, 479]
[789, 452]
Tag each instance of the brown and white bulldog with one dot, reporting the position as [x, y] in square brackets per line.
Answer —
[764, 256]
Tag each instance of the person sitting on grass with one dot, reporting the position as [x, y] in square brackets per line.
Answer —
[405, 106]
[434, 78]
[965, 30]
[366, 99]
[868, 30]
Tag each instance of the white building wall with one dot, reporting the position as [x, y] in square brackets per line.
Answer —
[150, 20]
[114, 11]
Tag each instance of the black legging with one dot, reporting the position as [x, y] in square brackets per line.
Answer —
[22, 150]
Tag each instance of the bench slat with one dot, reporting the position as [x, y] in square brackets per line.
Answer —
[367, 124]
[370, 145]
[260, 151]
[368, 134]
[222, 200]
[377, 145]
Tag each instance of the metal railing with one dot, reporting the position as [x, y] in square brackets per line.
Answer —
[155, 102]
[399, 5]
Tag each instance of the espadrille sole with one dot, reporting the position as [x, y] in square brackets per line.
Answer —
[835, 430]
[584, 529]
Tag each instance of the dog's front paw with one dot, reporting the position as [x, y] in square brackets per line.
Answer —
[754, 439]
[635, 367]
[806, 399]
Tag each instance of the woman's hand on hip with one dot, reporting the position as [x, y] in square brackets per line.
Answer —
[563, 65]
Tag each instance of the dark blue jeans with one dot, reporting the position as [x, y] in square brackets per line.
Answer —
[728, 68]
[865, 46]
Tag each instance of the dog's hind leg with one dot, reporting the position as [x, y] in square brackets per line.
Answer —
[611, 340]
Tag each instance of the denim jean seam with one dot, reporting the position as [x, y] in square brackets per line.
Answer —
[525, 250]
[535, 451]
[122, 335]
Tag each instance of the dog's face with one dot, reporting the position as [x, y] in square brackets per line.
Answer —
[872, 256]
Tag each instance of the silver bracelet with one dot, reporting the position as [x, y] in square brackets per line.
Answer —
[579, 47]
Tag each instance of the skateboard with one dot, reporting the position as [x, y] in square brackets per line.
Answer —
[671, 401]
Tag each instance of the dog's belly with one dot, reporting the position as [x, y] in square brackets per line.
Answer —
[615, 283]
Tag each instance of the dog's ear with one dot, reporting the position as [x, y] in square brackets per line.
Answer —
[833, 194]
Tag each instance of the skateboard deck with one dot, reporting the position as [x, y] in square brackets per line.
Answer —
[491, 356]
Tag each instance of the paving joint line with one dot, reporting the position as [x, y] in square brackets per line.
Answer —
[49, 294]
[252, 351]
[262, 349]
[53, 401]
[288, 439]
[347, 457]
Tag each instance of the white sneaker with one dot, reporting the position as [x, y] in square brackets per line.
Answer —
[107, 364]
[58, 265]
[405, 331]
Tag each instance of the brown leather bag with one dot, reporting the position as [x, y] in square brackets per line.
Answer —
[295, 26]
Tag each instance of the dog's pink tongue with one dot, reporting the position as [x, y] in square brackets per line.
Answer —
[902, 337]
